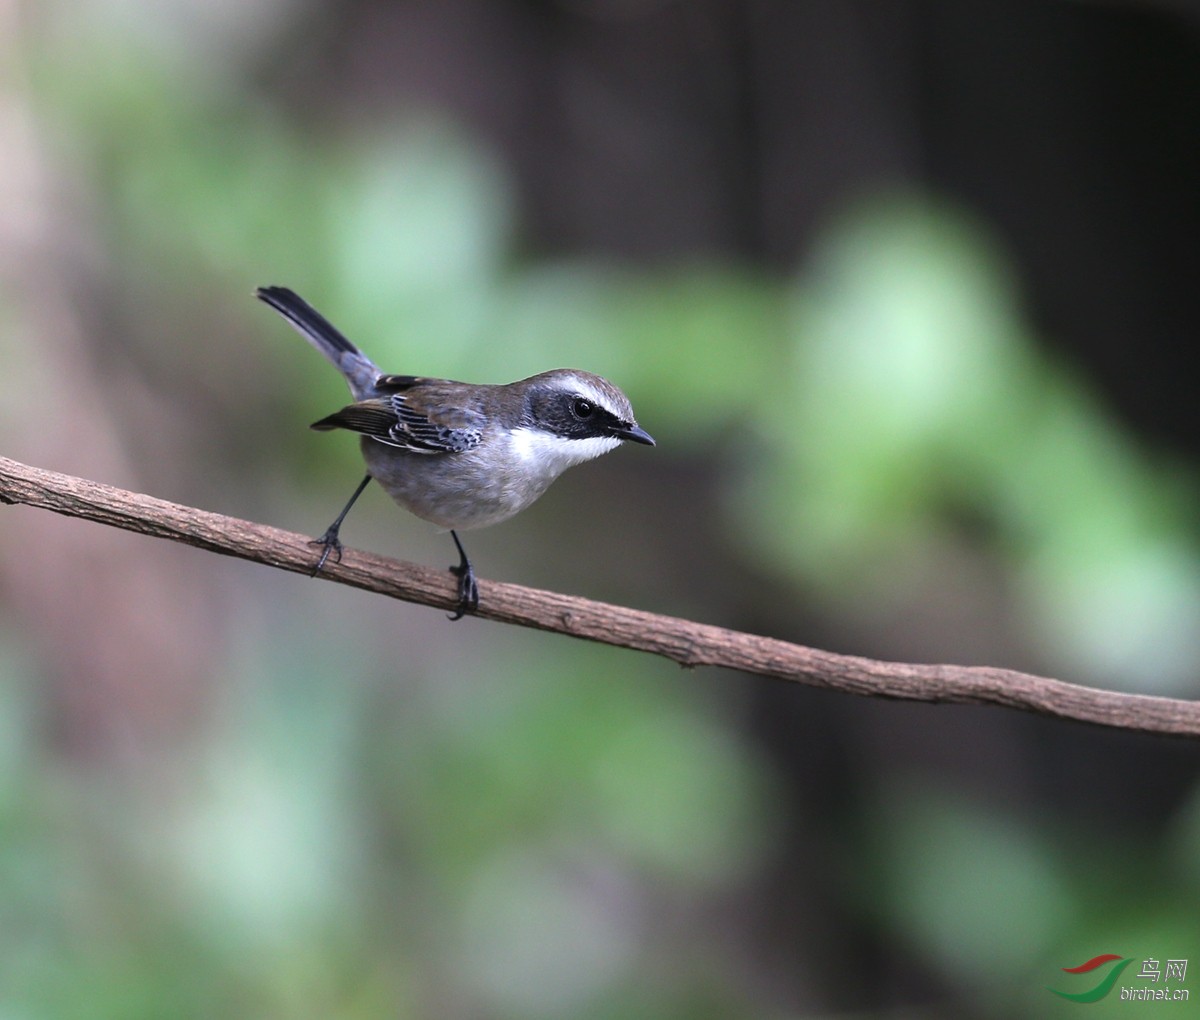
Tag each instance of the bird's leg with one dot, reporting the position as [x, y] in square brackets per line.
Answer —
[468, 587]
[329, 541]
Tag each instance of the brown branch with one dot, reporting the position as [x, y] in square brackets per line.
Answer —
[685, 642]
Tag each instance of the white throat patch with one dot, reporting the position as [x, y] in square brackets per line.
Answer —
[542, 453]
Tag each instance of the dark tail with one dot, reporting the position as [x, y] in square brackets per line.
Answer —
[360, 372]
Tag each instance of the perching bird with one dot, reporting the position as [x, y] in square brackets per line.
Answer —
[459, 454]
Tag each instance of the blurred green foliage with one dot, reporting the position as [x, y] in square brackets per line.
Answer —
[915, 399]
[532, 829]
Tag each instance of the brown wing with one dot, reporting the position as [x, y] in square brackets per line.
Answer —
[421, 415]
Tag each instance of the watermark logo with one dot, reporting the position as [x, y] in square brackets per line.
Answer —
[1158, 980]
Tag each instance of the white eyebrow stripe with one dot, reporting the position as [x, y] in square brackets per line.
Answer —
[584, 387]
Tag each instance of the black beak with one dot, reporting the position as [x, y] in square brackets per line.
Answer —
[633, 434]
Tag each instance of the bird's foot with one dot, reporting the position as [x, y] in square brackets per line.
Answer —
[329, 542]
[468, 589]
[330, 545]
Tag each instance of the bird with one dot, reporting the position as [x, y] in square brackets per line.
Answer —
[460, 455]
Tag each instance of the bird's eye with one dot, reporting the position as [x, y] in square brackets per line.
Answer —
[582, 408]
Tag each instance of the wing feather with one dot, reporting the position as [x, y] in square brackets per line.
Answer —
[394, 420]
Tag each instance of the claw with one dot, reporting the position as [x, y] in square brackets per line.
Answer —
[468, 587]
[468, 590]
[330, 543]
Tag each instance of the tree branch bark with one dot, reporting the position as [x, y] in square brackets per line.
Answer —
[683, 641]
